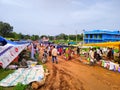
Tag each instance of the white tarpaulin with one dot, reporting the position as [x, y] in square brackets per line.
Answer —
[24, 76]
[9, 52]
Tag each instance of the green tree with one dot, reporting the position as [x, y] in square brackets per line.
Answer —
[21, 36]
[72, 37]
[43, 36]
[26, 37]
[35, 37]
[80, 37]
[15, 36]
[51, 37]
[5, 29]
[62, 36]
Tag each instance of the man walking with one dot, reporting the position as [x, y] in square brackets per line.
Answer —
[54, 55]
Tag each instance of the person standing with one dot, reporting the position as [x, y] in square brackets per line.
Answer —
[91, 56]
[66, 53]
[78, 51]
[54, 55]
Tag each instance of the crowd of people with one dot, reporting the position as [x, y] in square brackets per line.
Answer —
[53, 50]
[93, 54]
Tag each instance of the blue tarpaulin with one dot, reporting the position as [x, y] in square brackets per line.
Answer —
[4, 41]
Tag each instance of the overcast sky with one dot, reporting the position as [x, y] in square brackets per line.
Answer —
[52, 17]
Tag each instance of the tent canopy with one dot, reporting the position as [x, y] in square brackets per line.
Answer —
[3, 41]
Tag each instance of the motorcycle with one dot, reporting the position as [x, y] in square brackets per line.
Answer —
[44, 58]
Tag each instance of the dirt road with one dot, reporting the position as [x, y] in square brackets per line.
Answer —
[74, 75]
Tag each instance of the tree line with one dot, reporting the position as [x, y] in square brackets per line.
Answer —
[6, 30]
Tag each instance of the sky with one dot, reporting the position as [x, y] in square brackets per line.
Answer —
[53, 17]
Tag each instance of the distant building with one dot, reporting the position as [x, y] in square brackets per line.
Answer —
[97, 36]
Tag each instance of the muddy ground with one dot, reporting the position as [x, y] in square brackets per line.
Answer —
[74, 75]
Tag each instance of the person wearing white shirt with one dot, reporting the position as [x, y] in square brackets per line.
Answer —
[54, 54]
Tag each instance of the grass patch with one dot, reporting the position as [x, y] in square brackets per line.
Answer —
[44, 67]
[39, 62]
[20, 86]
[6, 88]
[4, 73]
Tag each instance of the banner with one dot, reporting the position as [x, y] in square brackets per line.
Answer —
[9, 53]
